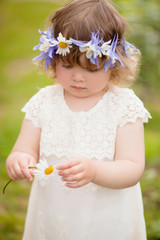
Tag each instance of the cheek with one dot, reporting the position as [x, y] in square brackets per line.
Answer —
[62, 78]
[100, 80]
[98, 83]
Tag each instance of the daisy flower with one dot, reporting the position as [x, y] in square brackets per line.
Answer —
[63, 45]
[42, 170]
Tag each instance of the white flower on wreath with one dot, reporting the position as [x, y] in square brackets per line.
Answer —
[90, 49]
[106, 49]
[63, 45]
[46, 44]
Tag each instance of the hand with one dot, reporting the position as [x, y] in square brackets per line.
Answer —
[77, 172]
[18, 166]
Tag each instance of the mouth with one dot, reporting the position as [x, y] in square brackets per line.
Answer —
[78, 88]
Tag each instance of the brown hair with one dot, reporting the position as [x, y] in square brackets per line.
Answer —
[78, 19]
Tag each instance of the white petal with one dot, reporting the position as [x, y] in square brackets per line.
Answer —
[83, 49]
[61, 38]
[113, 60]
[70, 46]
[89, 55]
[59, 51]
[54, 42]
[105, 46]
[68, 42]
[63, 51]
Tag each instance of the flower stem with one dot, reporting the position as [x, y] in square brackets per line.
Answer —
[6, 185]
[31, 167]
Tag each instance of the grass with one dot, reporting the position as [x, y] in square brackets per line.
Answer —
[19, 22]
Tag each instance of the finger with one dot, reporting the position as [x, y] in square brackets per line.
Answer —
[68, 164]
[27, 174]
[12, 174]
[12, 171]
[18, 172]
[9, 171]
[31, 163]
[24, 165]
[31, 171]
[71, 171]
[76, 184]
[73, 178]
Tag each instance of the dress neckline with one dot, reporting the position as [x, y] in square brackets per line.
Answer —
[92, 109]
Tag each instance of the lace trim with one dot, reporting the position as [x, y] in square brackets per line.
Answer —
[133, 110]
[30, 117]
[143, 115]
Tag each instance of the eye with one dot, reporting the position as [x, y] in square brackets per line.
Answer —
[67, 66]
[93, 70]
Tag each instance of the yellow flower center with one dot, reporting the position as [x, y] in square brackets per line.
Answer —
[49, 170]
[108, 57]
[62, 45]
[89, 50]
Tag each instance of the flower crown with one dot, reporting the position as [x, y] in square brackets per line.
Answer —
[96, 47]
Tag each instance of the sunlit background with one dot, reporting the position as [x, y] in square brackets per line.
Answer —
[20, 79]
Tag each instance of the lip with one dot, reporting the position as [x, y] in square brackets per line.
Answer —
[78, 88]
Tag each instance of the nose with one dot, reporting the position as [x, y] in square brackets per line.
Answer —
[78, 76]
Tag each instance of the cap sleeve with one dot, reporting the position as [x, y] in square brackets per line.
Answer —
[132, 109]
[33, 108]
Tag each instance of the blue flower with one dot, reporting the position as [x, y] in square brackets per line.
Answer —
[46, 46]
[96, 47]
[92, 48]
[128, 47]
[111, 55]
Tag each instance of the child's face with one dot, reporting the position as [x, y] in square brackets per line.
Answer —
[81, 82]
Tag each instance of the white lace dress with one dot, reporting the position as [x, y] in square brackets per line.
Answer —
[92, 212]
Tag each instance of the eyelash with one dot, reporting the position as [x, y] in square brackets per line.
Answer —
[67, 66]
[95, 70]
[89, 70]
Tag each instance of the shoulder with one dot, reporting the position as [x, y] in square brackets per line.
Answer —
[127, 105]
[123, 93]
[45, 94]
[48, 91]
[124, 96]
[40, 103]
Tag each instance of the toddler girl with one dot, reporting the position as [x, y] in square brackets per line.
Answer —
[85, 134]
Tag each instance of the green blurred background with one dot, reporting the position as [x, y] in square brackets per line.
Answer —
[20, 79]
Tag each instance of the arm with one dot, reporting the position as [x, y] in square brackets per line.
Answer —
[24, 153]
[129, 163]
[126, 169]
